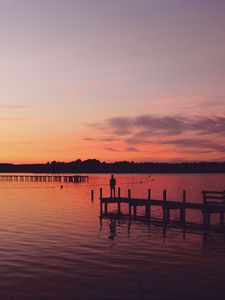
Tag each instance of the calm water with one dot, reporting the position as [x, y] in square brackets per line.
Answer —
[53, 246]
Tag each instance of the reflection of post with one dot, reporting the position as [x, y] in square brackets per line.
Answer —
[222, 213]
[112, 228]
[183, 209]
[204, 238]
[164, 232]
[184, 232]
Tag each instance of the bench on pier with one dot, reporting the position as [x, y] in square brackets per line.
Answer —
[213, 202]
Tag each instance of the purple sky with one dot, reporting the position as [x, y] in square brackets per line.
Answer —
[122, 79]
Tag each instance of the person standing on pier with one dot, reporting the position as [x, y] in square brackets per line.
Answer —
[112, 186]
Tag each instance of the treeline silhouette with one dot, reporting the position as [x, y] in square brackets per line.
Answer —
[96, 166]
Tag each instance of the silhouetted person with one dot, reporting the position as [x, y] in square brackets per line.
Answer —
[112, 186]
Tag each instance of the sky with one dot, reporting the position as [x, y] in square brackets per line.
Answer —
[140, 80]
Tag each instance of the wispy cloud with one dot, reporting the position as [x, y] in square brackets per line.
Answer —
[203, 134]
[147, 125]
[12, 106]
[99, 139]
[196, 143]
[127, 149]
[209, 104]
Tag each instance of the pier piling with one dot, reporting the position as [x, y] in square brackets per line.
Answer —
[211, 204]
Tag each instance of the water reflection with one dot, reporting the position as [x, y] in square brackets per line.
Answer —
[53, 244]
[210, 238]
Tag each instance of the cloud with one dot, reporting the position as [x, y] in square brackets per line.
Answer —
[12, 106]
[196, 143]
[212, 104]
[131, 149]
[202, 134]
[127, 149]
[88, 139]
[104, 139]
[147, 125]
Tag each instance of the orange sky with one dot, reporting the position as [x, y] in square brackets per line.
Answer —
[135, 80]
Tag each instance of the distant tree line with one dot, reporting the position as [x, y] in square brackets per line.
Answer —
[96, 166]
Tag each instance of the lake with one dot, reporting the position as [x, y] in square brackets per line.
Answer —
[53, 246]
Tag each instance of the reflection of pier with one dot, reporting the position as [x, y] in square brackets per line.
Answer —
[213, 203]
[208, 236]
[45, 178]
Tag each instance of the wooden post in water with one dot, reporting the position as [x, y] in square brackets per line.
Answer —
[183, 210]
[148, 206]
[164, 206]
[106, 206]
[129, 197]
[119, 200]
[135, 207]
[167, 214]
[92, 195]
[100, 201]
[204, 209]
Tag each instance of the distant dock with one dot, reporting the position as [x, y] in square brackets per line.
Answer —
[213, 202]
[45, 178]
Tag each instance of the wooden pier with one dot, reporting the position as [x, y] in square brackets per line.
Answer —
[212, 202]
[44, 178]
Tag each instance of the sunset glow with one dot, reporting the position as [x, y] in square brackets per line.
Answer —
[138, 80]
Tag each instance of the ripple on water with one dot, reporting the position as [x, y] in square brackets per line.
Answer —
[54, 247]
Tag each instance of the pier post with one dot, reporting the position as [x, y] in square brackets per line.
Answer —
[92, 195]
[135, 211]
[100, 201]
[164, 206]
[129, 198]
[106, 206]
[204, 209]
[135, 207]
[100, 207]
[119, 207]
